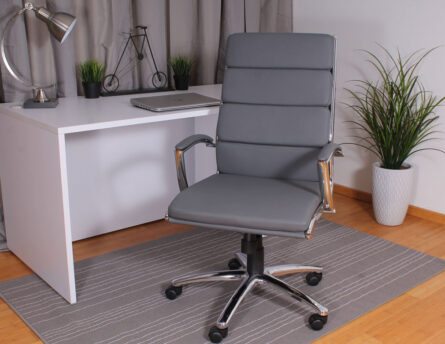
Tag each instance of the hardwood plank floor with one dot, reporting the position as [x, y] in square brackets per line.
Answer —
[418, 316]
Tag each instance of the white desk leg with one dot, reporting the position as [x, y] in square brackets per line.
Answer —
[35, 196]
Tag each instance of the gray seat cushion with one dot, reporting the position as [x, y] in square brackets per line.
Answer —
[237, 201]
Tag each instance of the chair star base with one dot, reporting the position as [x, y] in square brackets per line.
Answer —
[247, 268]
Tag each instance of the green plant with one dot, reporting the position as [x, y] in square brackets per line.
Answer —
[181, 65]
[91, 71]
[395, 114]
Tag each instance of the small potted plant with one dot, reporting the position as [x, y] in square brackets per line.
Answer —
[395, 116]
[181, 66]
[91, 73]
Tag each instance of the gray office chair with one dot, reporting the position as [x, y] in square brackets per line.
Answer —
[274, 158]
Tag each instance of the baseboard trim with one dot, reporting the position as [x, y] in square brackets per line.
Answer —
[367, 197]
[353, 193]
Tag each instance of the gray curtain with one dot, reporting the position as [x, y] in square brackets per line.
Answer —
[197, 28]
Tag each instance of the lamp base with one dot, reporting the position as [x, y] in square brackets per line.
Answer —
[32, 104]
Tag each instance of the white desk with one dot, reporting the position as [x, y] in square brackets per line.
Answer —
[88, 167]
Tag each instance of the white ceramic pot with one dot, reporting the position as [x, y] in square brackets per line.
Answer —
[391, 193]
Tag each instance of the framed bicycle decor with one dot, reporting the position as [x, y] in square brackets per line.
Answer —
[159, 79]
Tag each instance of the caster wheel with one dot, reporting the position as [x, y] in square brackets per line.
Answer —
[313, 278]
[234, 264]
[216, 335]
[173, 292]
[317, 321]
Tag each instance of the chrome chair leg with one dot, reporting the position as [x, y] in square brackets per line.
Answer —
[288, 269]
[295, 293]
[245, 287]
[252, 273]
[216, 276]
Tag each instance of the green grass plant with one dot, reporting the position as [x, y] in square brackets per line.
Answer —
[395, 114]
[181, 65]
[91, 71]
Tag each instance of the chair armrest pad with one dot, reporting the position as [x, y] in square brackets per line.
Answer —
[328, 151]
[193, 140]
[180, 149]
[325, 166]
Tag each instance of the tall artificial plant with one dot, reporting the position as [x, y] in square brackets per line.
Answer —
[396, 114]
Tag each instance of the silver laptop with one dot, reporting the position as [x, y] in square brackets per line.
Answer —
[172, 102]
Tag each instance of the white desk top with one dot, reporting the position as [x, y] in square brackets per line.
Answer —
[76, 114]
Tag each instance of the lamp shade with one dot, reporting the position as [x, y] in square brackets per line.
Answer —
[60, 24]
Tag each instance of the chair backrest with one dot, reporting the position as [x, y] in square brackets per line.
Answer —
[276, 112]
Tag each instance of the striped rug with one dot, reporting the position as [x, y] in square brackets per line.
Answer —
[121, 293]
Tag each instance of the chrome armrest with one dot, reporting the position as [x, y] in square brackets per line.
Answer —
[325, 171]
[181, 148]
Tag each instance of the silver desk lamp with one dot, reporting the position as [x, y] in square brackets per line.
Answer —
[60, 25]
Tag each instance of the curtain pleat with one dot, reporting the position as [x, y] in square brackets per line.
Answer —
[208, 33]
[64, 56]
[153, 14]
[252, 15]
[195, 32]
[276, 16]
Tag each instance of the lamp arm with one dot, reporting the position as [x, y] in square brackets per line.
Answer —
[9, 68]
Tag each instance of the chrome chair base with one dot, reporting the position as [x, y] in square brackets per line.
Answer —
[248, 282]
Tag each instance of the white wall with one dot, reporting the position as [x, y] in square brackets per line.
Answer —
[406, 25]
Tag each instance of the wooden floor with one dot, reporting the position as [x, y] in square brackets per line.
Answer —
[417, 316]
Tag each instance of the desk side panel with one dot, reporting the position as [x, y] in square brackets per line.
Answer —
[122, 177]
[31, 168]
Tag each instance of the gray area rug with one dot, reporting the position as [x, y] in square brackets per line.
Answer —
[121, 293]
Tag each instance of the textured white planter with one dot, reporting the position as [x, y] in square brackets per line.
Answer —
[391, 193]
